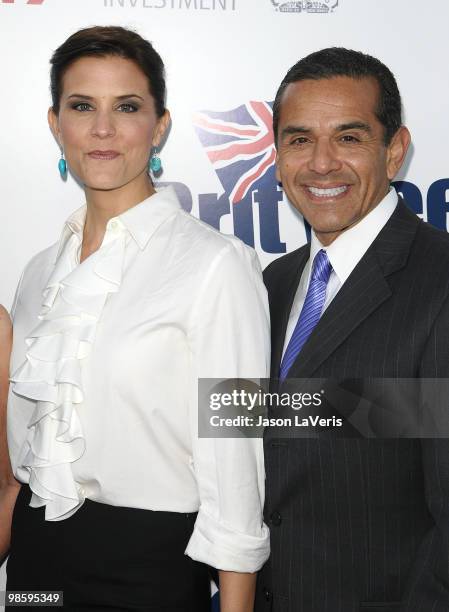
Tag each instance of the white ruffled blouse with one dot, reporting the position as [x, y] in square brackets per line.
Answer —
[104, 369]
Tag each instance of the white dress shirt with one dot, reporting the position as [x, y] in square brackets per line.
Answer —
[344, 254]
[105, 363]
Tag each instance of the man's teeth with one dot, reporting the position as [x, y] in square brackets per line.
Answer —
[327, 193]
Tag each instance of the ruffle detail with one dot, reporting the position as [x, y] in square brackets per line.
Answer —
[73, 301]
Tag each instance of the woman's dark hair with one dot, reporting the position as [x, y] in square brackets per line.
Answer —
[338, 61]
[101, 41]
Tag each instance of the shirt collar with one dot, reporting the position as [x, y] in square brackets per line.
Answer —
[348, 249]
[141, 220]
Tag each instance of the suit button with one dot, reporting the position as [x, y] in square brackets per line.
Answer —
[276, 519]
[267, 594]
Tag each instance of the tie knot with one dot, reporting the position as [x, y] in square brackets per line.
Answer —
[322, 268]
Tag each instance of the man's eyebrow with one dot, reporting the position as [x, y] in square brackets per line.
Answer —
[124, 97]
[343, 127]
[295, 129]
[354, 125]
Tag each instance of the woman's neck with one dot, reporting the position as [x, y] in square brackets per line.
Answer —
[103, 206]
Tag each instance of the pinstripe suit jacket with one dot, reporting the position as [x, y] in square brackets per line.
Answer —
[363, 524]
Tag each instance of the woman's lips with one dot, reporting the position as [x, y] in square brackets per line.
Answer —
[104, 155]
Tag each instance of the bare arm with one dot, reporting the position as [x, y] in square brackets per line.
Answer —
[9, 487]
[237, 591]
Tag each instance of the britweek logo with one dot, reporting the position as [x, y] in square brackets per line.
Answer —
[239, 145]
[196, 5]
[305, 6]
[28, 2]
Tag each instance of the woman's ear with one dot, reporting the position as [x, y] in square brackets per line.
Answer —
[160, 129]
[53, 122]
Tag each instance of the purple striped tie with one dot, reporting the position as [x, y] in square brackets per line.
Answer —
[311, 311]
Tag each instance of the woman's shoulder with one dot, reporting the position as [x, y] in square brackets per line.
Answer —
[37, 271]
[209, 241]
[34, 277]
[42, 259]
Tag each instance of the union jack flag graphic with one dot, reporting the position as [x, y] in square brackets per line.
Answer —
[239, 144]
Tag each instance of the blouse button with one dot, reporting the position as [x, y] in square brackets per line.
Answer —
[113, 225]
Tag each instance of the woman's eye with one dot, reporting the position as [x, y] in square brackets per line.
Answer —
[81, 106]
[128, 108]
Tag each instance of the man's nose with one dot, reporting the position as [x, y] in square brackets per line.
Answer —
[324, 157]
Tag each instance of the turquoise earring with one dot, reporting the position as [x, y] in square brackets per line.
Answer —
[62, 165]
[155, 164]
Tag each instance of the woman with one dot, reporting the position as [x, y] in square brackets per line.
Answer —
[123, 504]
[9, 487]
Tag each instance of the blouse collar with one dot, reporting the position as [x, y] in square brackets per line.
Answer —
[141, 220]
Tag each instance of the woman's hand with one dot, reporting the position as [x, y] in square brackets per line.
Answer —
[9, 487]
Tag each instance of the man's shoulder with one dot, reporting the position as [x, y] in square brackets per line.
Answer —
[284, 266]
[427, 238]
[430, 256]
[422, 252]
[433, 239]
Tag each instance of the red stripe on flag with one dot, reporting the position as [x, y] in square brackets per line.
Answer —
[207, 124]
[263, 112]
[249, 180]
[253, 147]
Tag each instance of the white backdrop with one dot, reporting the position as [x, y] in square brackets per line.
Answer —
[220, 55]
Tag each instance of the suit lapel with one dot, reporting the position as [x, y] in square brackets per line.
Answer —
[364, 291]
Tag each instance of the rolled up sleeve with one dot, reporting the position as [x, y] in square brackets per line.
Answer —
[230, 339]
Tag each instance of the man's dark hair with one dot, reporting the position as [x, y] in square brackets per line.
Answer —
[103, 41]
[338, 61]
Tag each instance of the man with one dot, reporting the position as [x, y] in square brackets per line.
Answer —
[356, 523]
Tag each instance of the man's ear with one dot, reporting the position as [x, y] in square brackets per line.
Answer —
[397, 150]
[160, 129]
[276, 162]
[53, 122]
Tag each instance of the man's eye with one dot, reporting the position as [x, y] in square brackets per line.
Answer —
[349, 138]
[128, 108]
[299, 140]
[82, 106]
